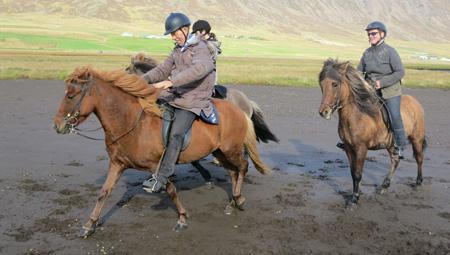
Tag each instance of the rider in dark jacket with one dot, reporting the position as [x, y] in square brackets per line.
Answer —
[383, 69]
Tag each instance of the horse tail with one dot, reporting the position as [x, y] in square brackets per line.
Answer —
[262, 130]
[252, 150]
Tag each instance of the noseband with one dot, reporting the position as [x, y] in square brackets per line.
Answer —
[71, 118]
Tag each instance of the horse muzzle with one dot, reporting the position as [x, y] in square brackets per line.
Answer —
[61, 128]
[325, 112]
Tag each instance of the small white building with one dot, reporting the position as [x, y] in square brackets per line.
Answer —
[127, 34]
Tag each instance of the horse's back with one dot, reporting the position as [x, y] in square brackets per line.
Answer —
[207, 137]
[413, 115]
[232, 122]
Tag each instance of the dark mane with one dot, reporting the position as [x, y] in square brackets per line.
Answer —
[344, 73]
[141, 64]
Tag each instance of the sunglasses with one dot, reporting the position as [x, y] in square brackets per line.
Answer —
[372, 34]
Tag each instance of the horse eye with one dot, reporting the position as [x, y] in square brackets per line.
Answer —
[334, 84]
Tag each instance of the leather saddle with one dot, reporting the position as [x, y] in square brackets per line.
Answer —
[169, 116]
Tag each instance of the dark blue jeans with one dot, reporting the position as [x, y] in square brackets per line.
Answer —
[183, 120]
[393, 106]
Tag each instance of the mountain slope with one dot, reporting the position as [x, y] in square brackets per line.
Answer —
[426, 20]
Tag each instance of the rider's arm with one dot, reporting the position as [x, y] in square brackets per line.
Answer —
[397, 70]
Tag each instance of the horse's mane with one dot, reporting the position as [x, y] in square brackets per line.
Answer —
[142, 63]
[129, 83]
[343, 72]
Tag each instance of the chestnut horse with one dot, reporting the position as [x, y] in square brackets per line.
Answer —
[361, 126]
[133, 137]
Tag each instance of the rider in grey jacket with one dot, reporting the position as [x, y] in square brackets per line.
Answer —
[383, 69]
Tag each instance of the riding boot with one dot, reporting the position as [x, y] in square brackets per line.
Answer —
[182, 122]
[400, 142]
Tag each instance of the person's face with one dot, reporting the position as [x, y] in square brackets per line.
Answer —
[374, 36]
[180, 36]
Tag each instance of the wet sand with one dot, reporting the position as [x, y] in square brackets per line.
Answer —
[49, 184]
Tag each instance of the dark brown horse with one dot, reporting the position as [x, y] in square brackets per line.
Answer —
[140, 64]
[361, 126]
[133, 137]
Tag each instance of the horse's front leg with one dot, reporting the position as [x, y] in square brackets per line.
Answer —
[182, 214]
[114, 173]
[356, 159]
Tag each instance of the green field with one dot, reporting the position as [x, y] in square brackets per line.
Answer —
[38, 48]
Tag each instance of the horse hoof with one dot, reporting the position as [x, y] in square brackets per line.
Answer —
[381, 190]
[209, 185]
[180, 226]
[350, 206]
[419, 182]
[241, 205]
[85, 232]
[228, 209]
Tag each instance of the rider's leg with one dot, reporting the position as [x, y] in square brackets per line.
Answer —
[182, 122]
[393, 105]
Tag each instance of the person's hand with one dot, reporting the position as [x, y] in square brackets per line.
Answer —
[377, 84]
[163, 85]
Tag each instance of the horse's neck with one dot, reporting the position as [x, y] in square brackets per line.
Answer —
[116, 110]
[350, 114]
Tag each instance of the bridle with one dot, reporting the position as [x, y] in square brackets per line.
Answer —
[71, 119]
[337, 103]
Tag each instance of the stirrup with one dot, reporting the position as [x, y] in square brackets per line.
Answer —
[153, 185]
[399, 152]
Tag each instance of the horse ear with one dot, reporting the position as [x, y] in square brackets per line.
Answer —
[85, 75]
[346, 66]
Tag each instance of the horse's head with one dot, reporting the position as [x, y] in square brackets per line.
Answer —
[331, 80]
[140, 64]
[77, 103]
[342, 84]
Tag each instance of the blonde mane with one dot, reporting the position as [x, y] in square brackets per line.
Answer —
[129, 83]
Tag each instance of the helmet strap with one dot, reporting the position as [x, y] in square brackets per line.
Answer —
[185, 35]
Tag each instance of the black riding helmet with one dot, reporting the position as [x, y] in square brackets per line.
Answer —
[201, 25]
[377, 25]
[175, 21]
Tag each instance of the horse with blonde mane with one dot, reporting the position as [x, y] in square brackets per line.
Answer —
[361, 126]
[133, 134]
